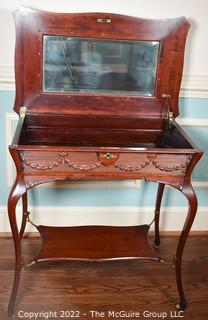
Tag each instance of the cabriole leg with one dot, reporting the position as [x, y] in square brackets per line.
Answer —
[157, 213]
[24, 214]
[192, 208]
[16, 193]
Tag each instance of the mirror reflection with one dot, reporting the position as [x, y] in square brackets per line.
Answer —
[73, 64]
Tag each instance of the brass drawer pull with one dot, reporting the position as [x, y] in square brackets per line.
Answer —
[108, 156]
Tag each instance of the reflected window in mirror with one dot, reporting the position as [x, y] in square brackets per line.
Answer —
[73, 64]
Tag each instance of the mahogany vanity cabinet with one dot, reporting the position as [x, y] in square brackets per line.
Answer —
[97, 97]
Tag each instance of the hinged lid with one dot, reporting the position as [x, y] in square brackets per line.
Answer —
[98, 64]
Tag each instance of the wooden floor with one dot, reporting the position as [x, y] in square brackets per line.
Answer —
[130, 286]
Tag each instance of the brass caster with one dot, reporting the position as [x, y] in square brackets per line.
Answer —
[11, 314]
[181, 306]
[30, 264]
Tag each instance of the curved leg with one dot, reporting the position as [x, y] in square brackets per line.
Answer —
[192, 203]
[160, 191]
[24, 214]
[16, 193]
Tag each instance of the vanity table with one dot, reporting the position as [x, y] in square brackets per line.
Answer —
[97, 98]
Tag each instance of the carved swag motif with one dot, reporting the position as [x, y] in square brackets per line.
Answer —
[63, 159]
[151, 159]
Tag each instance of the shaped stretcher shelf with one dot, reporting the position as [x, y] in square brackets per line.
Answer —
[95, 243]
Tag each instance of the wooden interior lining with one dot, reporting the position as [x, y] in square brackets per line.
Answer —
[59, 130]
[101, 121]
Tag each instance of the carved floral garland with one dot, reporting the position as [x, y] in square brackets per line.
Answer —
[63, 159]
[151, 160]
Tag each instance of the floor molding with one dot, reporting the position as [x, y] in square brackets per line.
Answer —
[172, 218]
[29, 235]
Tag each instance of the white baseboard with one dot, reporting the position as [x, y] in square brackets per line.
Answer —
[192, 122]
[172, 218]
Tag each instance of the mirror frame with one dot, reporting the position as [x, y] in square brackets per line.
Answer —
[32, 25]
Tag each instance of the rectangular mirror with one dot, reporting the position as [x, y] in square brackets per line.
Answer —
[73, 64]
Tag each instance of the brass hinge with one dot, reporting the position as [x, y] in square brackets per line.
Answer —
[170, 117]
[22, 112]
[170, 114]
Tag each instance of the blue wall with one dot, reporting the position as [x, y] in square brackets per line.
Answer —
[145, 196]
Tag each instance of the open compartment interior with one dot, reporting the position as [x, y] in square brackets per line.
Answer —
[86, 131]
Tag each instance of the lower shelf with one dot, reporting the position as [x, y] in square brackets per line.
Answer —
[95, 243]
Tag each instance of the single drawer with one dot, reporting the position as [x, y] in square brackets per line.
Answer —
[67, 162]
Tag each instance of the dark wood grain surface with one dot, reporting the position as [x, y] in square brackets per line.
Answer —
[130, 285]
[95, 243]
